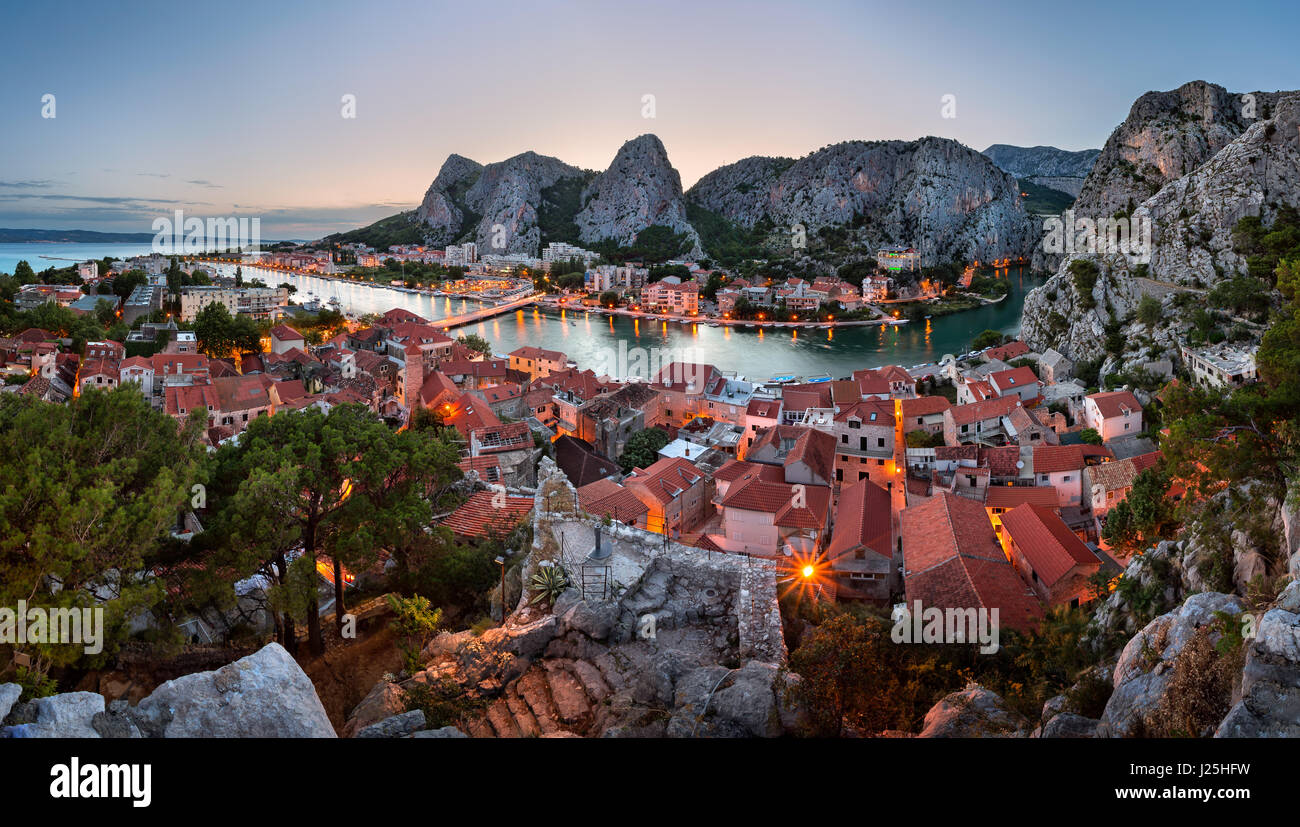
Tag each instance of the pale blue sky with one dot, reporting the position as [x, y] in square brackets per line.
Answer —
[234, 108]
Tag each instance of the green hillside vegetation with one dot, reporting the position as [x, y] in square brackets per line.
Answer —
[1044, 200]
[395, 229]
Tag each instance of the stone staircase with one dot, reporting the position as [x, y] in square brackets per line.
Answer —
[553, 698]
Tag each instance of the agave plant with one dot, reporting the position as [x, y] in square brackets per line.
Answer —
[549, 583]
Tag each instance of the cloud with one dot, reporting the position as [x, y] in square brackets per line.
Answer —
[27, 185]
[155, 174]
[199, 182]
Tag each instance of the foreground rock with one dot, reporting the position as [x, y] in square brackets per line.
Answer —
[1144, 671]
[975, 712]
[1270, 682]
[264, 695]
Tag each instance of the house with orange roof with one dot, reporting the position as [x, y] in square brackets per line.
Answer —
[1061, 467]
[888, 382]
[978, 422]
[952, 560]
[767, 518]
[285, 338]
[924, 413]
[1112, 414]
[759, 414]
[864, 435]
[606, 498]
[1048, 555]
[537, 362]
[1021, 382]
[862, 553]
[806, 455]
[999, 499]
[677, 494]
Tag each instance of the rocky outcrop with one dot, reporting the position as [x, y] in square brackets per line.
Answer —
[1269, 701]
[439, 210]
[1191, 221]
[70, 715]
[9, 695]
[943, 198]
[639, 190]
[1144, 670]
[1193, 216]
[263, 695]
[1166, 136]
[678, 643]
[975, 712]
[496, 206]
[1047, 166]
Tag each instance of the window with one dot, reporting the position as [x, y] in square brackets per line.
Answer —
[1042, 478]
[1066, 478]
[880, 442]
[844, 439]
[862, 443]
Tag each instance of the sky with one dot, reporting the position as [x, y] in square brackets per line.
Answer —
[235, 108]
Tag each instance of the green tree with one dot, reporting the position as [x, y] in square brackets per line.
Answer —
[24, 274]
[1149, 311]
[986, 339]
[1090, 436]
[341, 484]
[642, 448]
[90, 491]
[476, 343]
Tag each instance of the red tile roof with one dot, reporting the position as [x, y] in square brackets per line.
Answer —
[284, 333]
[1046, 542]
[1010, 350]
[764, 408]
[980, 411]
[478, 517]
[779, 500]
[952, 560]
[925, 406]
[1010, 496]
[1001, 462]
[1014, 379]
[1116, 403]
[667, 478]
[863, 519]
[608, 498]
[1049, 459]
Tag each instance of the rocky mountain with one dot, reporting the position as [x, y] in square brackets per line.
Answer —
[1047, 166]
[1165, 136]
[1191, 220]
[640, 189]
[497, 206]
[935, 194]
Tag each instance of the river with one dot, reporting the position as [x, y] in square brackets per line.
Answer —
[588, 337]
[757, 354]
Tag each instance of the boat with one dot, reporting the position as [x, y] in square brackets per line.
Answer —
[781, 380]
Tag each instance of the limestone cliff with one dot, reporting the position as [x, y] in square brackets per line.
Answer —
[1191, 220]
[939, 196]
[640, 189]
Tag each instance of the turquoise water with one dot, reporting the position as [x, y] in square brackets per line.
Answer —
[587, 337]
